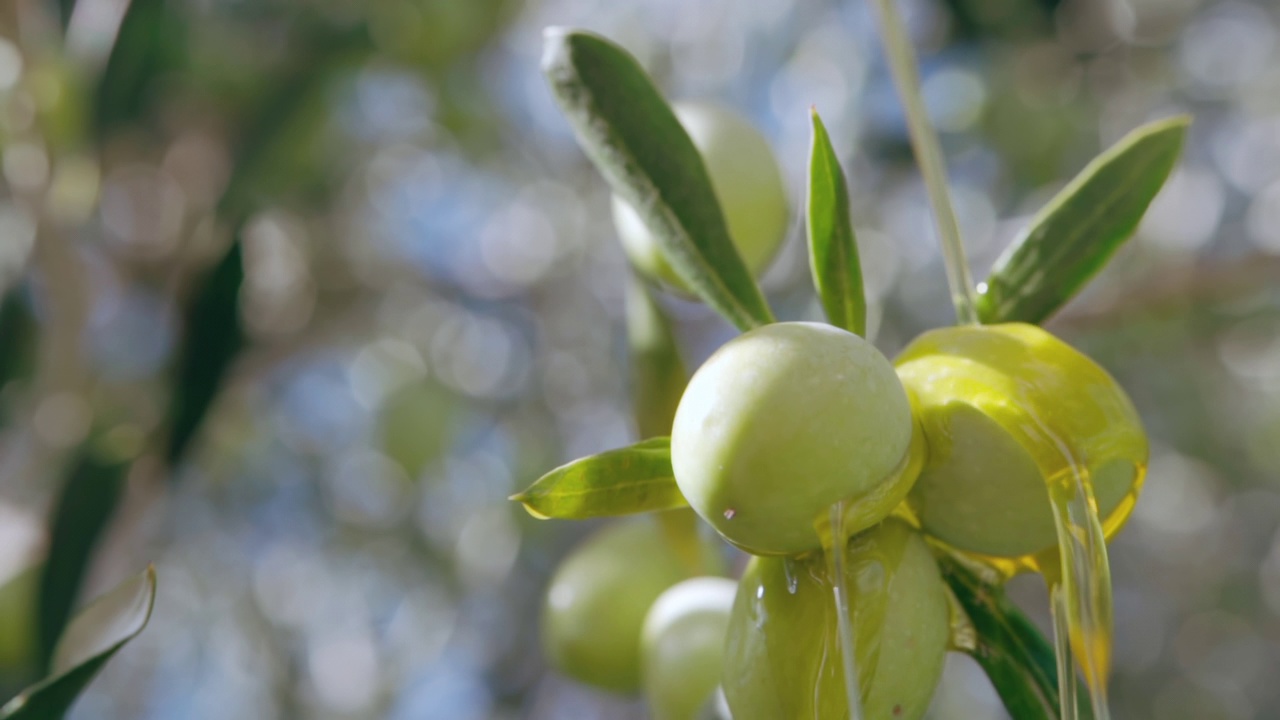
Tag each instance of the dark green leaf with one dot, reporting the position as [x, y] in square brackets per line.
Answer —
[833, 249]
[629, 480]
[148, 46]
[657, 375]
[1019, 661]
[84, 508]
[1073, 236]
[212, 337]
[633, 137]
[90, 640]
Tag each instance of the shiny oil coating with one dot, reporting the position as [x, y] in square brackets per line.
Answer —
[1004, 408]
[781, 423]
[782, 657]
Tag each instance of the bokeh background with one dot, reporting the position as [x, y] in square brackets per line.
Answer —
[297, 292]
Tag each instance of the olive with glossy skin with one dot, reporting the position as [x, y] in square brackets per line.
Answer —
[1007, 409]
[783, 422]
[682, 646]
[782, 654]
[597, 602]
[747, 182]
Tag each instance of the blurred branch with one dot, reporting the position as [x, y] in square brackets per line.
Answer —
[1171, 292]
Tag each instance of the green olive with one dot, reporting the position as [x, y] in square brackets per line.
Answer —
[747, 182]
[1006, 410]
[598, 598]
[783, 422]
[682, 645]
[782, 654]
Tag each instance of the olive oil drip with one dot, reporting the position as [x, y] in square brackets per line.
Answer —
[1080, 592]
[837, 540]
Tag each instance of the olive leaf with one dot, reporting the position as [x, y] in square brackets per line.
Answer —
[101, 629]
[1016, 657]
[658, 376]
[84, 508]
[636, 142]
[833, 249]
[1073, 236]
[628, 480]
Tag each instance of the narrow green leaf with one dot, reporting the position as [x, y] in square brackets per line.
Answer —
[1016, 657]
[212, 338]
[629, 480]
[90, 640]
[85, 506]
[1072, 237]
[833, 249]
[631, 134]
[658, 375]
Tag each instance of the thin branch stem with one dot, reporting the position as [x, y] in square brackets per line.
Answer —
[924, 141]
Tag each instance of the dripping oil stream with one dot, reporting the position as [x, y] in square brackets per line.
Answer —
[1080, 592]
[844, 623]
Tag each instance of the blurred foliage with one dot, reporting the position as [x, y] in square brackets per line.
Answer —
[340, 267]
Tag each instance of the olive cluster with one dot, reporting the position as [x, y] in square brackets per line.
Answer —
[953, 446]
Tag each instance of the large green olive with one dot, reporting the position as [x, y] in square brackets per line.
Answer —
[747, 182]
[682, 646]
[782, 655]
[598, 598]
[783, 422]
[1006, 410]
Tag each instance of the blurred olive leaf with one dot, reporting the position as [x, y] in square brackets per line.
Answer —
[1073, 236]
[833, 248]
[212, 331]
[1016, 657]
[635, 479]
[212, 337]
[149, 45]
[83, 510]
[631, 134]
[101, 629]
[658, 375]
[17, 335]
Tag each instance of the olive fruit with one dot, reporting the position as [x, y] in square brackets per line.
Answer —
[783, 422]
[598, 598]
[782, 653]
[747, 182]
[1006, 410]
[682, 644]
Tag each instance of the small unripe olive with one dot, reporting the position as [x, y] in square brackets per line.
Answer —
[782, 656]
[682, 646]
[747, 182]
[781, 423]
[1006, 410]
[598, 599]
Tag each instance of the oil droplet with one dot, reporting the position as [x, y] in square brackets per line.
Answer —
[789, 571]
[729, 513]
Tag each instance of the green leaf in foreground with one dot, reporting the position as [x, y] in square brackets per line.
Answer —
[90, 640]
[629, 480]
[1072, 237]
[635, 140]
[1017, 659]
[833, 249]
[658, 375]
